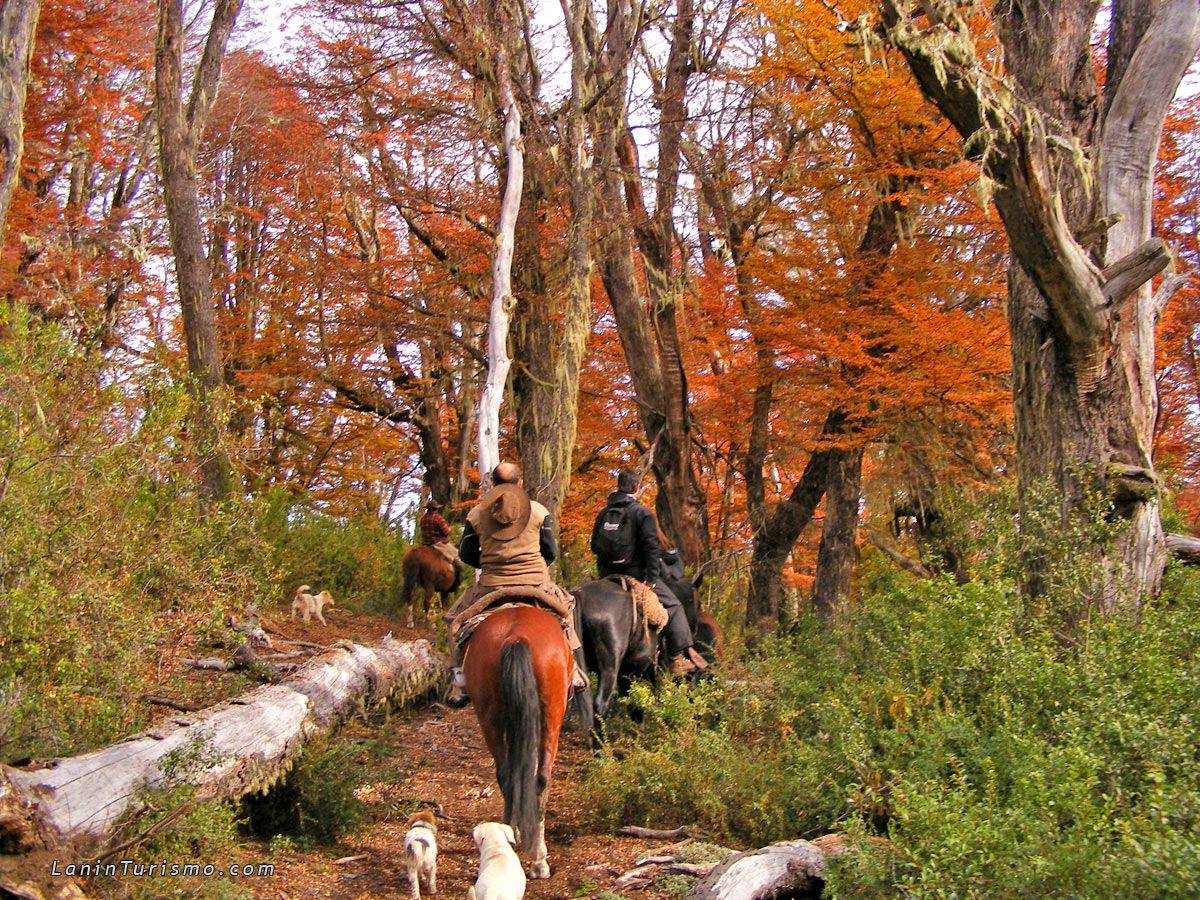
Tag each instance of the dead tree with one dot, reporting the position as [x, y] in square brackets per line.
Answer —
[1071, 171]
[18, 22]
[180, 127]
[500, 310]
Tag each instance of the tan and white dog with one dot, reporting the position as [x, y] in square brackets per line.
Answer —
[307, 605]
[500, 874]
[420, 853]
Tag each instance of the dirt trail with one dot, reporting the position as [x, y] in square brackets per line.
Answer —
[436, 755]
[443, 760]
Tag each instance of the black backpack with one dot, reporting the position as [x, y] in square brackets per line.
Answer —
[614, 540]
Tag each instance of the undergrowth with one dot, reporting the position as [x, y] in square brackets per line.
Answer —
[996, 752]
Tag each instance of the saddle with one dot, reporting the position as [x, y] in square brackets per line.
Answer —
[647, 608]
[491, 600]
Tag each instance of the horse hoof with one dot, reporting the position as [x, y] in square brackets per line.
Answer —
[540, 869]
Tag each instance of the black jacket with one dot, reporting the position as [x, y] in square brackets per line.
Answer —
[645, 564]
[672, 565]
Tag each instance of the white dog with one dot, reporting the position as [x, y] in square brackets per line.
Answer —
[420, 853]
[500, 874]
[308, 605]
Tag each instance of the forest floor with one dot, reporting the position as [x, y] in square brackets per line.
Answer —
[430, 756]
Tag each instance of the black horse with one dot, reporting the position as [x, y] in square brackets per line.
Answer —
[617, 648]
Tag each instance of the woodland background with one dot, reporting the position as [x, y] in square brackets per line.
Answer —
[244, 334]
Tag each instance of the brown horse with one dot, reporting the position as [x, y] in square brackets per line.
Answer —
[518, 669]
[426, 572]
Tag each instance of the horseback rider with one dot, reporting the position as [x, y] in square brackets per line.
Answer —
[435, 533]
[509, 538]
[625, 542]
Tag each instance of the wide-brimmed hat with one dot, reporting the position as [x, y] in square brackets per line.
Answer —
[506, 512]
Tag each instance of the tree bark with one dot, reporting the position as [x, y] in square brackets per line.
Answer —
[837, 552]
[249, 743]
[180, 128]
[18, 25]
[1081, 317]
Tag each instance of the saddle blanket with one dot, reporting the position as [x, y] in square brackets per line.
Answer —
[475, 607]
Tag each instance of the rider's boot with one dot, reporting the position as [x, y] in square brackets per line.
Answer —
[579, 680]
[457, 697]
[682, 666]
[699, 661]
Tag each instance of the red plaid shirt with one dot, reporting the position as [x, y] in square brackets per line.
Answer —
[434, 529]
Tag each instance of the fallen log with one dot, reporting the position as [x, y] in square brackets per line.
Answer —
[786, 869]
[242, 745]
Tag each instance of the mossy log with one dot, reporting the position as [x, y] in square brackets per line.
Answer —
[241, 746]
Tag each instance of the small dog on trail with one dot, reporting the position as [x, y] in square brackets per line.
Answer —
[500, 874]
[420, 853]
[307, 605]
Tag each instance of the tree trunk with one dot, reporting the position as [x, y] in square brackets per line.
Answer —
[552, 339]
[18, 24]
[837, 552]
[248, 744]
[648, 327]
[1080, 309]
[502, 300]
[180, 128]
[773, 542]
[779, 531]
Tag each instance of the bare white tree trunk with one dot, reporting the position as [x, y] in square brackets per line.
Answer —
[247, 744]
[502, 299]
[1128, 153]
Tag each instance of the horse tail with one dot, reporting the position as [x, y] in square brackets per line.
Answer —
[521, 720]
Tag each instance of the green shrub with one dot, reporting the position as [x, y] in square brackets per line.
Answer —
[357, 560]
[104, 557]
[996, 754]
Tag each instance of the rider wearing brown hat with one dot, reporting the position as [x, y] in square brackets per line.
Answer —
[509, 538]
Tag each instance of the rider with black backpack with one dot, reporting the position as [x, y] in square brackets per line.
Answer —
[625, 542]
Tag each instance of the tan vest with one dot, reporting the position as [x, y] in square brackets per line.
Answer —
[518, 561]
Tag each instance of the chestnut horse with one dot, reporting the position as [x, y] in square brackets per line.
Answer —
[428, 572]
[518, 670]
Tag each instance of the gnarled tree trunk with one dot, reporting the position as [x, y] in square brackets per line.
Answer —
[1081, 312]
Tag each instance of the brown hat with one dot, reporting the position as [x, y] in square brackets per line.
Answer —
[506, 512]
